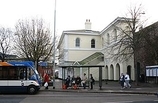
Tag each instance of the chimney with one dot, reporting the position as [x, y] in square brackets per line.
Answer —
[87, 24]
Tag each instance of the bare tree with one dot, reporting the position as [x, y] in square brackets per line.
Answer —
[5, 42]
[33, 40]
[128, 39]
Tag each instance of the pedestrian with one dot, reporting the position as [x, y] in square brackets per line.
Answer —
[67, 82]
[91, 81]
[127, 80]
[46, 80]
[122, 80]
[73, 79]
[78, 81]
[84, 80]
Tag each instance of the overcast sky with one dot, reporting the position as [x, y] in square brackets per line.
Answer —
[72, 14]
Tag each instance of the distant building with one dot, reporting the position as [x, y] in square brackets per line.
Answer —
[82, 47]
[8, 56]
[146, 55]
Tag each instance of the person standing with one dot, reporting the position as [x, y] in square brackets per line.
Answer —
[67, 82]
[91, 81]
[127, 79]
[73, 79]
[46, 80]
[84, 80]
[122, 80]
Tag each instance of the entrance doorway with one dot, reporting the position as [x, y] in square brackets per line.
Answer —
[129, 70]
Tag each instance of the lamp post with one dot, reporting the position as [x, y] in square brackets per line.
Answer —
[54, 44]
[36, 43]
[36, 62]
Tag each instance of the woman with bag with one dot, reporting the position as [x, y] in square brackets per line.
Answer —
[46, 80]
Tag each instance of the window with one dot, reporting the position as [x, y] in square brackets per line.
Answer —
[108, 38]
[12, 73]
[77, 42]
[115, 34]
[92, 43]
[127, 29]
[102, 42]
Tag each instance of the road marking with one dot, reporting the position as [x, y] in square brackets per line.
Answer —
[126, 101]
[120, 102]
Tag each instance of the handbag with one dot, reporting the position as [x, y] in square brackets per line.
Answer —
[45, 84]
[83, 82]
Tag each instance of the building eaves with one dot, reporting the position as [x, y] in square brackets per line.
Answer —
[82, 31]
[118, 19]
[60, 40]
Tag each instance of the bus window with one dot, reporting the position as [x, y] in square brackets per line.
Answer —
[12, 73]
[32, 75]
[22, 73]
[3, 73]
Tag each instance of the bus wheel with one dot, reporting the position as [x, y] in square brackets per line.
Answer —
[32, 90]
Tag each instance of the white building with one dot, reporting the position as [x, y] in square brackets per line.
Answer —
[82, 47]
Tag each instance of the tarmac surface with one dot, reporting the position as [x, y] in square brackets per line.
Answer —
[108, 87]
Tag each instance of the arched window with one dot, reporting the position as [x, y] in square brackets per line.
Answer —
[77, 42]
[127, 29]
[103, 42]
[92, 43]
[115, 34]
[108, 38]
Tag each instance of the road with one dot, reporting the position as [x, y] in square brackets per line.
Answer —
[69, 97]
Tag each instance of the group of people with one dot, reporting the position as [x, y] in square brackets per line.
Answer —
[78, 81]
[125, 81]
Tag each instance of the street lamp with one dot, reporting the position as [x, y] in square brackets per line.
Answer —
[36, 62]
[54, 45]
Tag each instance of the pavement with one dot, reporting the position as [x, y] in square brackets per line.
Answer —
[109, 87]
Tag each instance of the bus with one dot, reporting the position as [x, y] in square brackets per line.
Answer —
[16, 77]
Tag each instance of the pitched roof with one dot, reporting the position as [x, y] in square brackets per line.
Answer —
[82, 31]
[118, 19]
